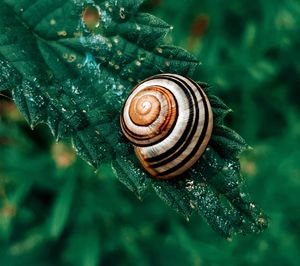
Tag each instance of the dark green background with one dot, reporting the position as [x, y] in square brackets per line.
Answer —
[52, 215]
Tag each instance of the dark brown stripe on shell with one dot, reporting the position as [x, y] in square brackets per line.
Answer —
[198, 144]
[173, 150]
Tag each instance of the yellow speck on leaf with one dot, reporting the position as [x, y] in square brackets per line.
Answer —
[62, 33]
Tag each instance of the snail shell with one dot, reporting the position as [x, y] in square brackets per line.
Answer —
[169, 120]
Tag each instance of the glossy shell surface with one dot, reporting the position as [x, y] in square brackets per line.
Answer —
[169, 120]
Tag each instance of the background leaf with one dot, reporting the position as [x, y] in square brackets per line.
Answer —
[61, 208]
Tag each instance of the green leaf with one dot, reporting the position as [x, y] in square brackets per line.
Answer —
[8, 75]
[75, 77]
[61, 208]
[128, 171]
[220, 110]
[223, 175]
[144, 29]
[227, 142]
[84, 248]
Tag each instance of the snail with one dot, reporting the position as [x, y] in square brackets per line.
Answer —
[169, 121]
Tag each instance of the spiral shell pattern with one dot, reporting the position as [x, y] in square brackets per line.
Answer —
[169, 120]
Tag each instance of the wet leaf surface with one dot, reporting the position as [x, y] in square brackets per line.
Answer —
[72, 68]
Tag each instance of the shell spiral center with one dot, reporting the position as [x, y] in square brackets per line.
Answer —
[144, 109]
[149, 115]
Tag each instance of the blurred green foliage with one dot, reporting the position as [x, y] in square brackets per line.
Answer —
[56, 211]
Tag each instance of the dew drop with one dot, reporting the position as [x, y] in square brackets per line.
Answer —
[190, 185]
[159, 50]
[75, 89]
[193, 204]
[116, 40]
[52, 22]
